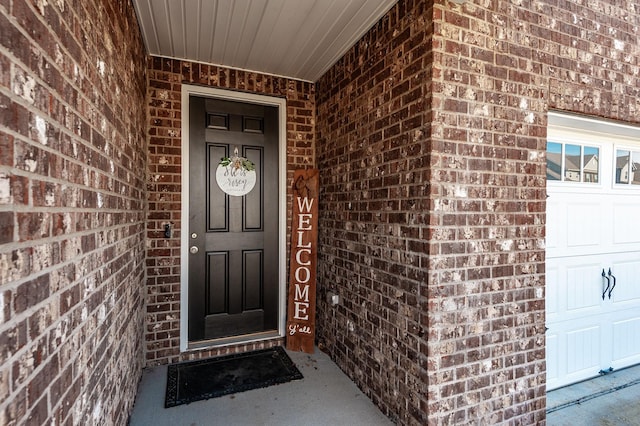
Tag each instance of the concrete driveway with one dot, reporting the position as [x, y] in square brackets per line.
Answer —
[610, 400]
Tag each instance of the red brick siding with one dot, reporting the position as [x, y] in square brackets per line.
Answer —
[591, 54]
[166, 77]
[374, 109]
[505, 66]
[487, 214]
[469, 211]
[72, 203]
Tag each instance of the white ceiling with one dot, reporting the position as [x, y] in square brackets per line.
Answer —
[301, 39]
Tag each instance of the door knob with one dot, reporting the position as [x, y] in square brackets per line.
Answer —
[193, 249]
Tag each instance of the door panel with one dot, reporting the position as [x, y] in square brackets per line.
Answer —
[583, 230]
[574, 305]
[626, 310]
[233, 273]
[583, 326]
[627, 272]
[218, 278]
[583, 283]
[218, 219]
[552, 299]
[625, 223]
[626, 334]
[253, 212]
[253, 265]
[553, 354]
[583, 350]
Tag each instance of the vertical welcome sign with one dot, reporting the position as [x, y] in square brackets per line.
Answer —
[301, 316]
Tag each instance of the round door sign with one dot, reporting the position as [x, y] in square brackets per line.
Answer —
[236, 175]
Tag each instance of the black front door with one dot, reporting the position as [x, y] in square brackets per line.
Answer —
[233, 238]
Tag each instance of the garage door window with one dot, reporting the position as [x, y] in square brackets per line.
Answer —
[573, 163]
[627, 167]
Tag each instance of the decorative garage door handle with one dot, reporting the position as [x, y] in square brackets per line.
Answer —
[604, 275]
[614, 282]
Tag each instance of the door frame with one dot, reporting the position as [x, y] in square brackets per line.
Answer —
[280, 103]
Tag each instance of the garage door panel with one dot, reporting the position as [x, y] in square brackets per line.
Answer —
[555, 228]
[626, 334]
[625, 223]
[553, 357]
[555, 371]
[574, 288]
[583, 353]
[575, 226]
[584, 288]
[584, 229]
[552, 290]
[574, 354]
[627, 289]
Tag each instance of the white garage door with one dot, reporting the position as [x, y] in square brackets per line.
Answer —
[593, 248]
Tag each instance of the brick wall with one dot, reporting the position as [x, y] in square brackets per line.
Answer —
[374, 109]
[166, 77]
[72, 202]
[431, 138]
[486, 270]
[432, 216]
[591, 57]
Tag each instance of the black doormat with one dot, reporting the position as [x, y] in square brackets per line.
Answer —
[210, 378]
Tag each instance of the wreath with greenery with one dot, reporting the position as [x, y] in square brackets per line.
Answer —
[237, 162]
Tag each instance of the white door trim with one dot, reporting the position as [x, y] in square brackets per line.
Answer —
[281, 104]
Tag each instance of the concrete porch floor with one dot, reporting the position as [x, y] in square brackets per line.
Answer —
[325, 396]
